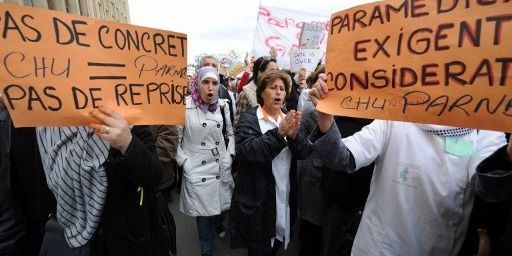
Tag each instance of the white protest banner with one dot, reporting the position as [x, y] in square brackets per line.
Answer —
[280, 28]
[304, 58]
[311, 35]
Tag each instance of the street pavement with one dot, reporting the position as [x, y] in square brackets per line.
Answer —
[187, 239]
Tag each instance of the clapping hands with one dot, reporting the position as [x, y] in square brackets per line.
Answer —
[290, 125]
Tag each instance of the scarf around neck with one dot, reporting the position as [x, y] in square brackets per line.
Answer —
[445, 131]
[74, 164]
[201, 74]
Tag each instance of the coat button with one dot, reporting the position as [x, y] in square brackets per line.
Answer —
[203, 180]
[217, 160]
[218, 125]
[203, 144]
[203, 162]
[204, 124]
[217, 177]
[216, 143]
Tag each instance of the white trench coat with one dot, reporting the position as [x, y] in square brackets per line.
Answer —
[207, 183]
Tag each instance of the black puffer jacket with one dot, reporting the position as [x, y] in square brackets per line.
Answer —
[253, 207]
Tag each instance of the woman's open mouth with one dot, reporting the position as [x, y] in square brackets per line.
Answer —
[210, 95]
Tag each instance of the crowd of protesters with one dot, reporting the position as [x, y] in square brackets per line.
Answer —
[256, 152]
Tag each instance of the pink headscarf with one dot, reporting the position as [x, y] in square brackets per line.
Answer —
[193, 88]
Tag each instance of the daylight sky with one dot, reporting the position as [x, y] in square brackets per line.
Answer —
[216, 27]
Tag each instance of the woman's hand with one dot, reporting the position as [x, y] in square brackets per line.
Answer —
[273, 53]
[296, 126]
[288, 126]
[318, 90]
[114, 129]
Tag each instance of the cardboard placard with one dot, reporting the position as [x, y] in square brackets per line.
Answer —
[310, 35]
[304, 58]
[55, 67]
[441, 62]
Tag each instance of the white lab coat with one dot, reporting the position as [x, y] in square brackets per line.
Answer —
[420, 196]
[207, 183]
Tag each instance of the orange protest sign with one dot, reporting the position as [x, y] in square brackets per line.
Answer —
[442, 62]
[56, 67]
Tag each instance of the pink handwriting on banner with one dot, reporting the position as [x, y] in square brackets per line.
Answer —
[280, 28]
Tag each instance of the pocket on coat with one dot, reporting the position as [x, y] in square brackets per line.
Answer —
[204, 193]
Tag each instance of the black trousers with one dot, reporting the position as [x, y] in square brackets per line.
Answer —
[54, 242]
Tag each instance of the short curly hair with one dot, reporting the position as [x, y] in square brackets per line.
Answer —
[268, 79]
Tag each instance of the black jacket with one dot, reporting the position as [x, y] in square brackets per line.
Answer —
[344, 196]
[25, 199]
[11, 227]
[253, 206]
[493, 184]
[128, 221]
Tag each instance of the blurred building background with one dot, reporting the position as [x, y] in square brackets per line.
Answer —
[112, 10]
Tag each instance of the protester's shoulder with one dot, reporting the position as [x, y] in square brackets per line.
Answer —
[499, 137]
[250, 88]
[250, 113]
[248, 117]
[486, 133]
[223, 102]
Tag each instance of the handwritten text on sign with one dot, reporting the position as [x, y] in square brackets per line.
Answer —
[443, 61]
[55, 67]
[304, 59]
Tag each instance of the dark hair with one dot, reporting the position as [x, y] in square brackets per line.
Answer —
[260, 65]
[311, 80]
[268, 79]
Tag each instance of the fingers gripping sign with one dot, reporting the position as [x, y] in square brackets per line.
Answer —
[319, 89]
[112, 127]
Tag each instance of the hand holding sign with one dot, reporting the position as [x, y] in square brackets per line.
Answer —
[319, 89]
[114, 128]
